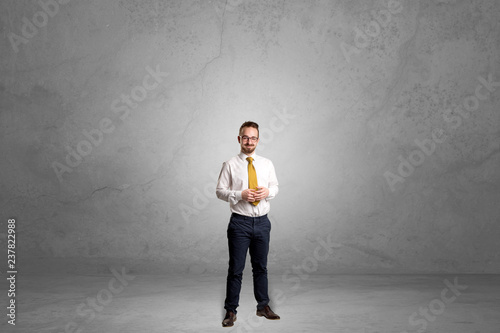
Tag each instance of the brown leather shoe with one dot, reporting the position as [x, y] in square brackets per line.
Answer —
[229, 319]
[268, 313]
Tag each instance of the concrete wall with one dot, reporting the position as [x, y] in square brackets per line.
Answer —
[382, 119]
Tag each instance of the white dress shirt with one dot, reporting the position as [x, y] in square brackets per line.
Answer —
[233, 179]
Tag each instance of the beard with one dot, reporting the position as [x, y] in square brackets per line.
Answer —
[248, 149]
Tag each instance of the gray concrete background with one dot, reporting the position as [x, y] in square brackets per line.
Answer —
[381, 117]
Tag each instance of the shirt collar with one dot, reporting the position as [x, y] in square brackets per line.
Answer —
[244, 156]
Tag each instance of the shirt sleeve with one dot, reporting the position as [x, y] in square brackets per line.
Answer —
[273, 183]
[223, 190]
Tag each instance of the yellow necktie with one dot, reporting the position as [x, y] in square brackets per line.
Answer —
[252, 177]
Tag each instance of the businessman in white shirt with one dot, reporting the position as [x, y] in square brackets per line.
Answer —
[248, 181]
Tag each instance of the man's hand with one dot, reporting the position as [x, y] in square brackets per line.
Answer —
[248, 195]
[261, 193]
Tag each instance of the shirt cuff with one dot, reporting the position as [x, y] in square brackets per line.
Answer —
[234, 197]
[272, 194]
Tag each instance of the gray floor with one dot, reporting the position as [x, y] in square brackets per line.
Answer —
[319, 303]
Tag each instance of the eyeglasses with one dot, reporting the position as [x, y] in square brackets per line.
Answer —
[246, 138]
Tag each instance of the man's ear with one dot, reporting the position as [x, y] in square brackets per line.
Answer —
[239, 139]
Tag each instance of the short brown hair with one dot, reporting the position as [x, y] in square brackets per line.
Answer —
[250, 124]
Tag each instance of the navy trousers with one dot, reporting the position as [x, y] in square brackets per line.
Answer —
[247, 233]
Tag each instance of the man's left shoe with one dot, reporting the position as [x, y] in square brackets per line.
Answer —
[268, 313]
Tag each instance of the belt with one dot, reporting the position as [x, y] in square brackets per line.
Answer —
[247, 217]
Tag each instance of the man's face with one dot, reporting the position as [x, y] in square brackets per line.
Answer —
[248, 145]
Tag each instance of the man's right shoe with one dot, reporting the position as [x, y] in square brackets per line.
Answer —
[229, 319]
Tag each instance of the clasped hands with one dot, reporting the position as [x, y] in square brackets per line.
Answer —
[252, 195]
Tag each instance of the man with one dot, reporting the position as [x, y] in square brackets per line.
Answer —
[247, 181]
